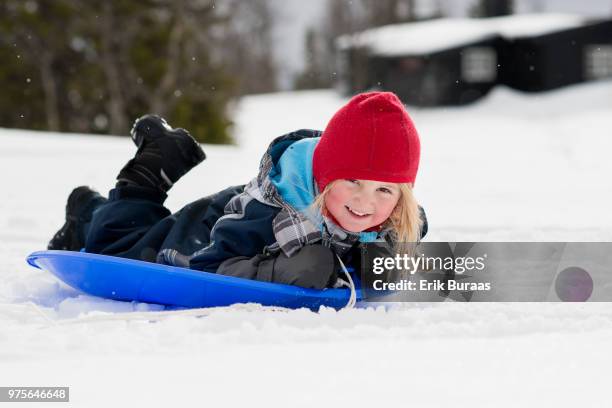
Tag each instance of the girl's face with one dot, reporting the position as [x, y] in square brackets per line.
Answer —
[361, 204]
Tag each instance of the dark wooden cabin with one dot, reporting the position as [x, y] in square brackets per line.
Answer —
[457, 61]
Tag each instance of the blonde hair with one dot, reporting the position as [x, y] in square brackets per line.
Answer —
[405, 220]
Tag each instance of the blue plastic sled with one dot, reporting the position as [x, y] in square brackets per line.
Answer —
[131, 280]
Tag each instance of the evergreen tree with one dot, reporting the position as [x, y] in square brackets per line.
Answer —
[248, 35]
[71, 65]
[346, 17]
[29, 31]
[316, 73]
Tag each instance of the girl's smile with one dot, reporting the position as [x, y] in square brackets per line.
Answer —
[358, 205]
[357, 213]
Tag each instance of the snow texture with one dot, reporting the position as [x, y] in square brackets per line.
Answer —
[509, 168]
[441, 34]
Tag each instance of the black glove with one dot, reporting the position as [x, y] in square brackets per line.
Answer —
[313, 266]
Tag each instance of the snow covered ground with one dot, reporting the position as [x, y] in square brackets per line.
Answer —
[510, 168]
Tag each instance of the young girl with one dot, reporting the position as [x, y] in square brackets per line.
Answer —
[316, 197]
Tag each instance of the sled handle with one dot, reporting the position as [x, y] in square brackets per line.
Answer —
[31, 260]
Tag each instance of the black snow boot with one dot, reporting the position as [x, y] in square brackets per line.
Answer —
[79, 209]
[164, 154]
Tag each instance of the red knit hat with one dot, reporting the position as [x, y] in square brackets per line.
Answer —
[370, 138]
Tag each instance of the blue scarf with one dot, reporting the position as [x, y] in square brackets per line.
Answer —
[293, 179]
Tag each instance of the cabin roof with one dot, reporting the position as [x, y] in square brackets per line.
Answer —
[427, 37]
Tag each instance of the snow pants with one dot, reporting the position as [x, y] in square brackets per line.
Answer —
[133, 223]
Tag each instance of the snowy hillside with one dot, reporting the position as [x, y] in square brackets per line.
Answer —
[511, 168]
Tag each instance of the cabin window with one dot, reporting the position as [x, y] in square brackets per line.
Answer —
[479, 64]
[598, 61]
